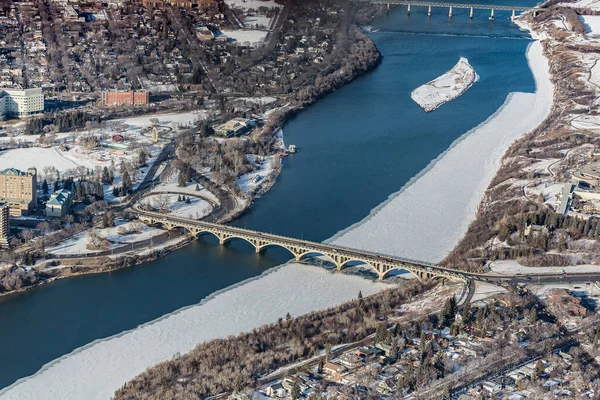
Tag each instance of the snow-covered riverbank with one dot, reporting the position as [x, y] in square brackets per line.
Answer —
[429, 215]
[98, 369]
[446, 87]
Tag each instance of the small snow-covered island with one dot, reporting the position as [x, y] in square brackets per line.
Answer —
[446, 87]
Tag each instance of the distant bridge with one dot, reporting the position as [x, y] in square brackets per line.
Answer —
[450, 6]
[340, 256]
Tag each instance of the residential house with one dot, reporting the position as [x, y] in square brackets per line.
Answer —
[333, 370]
[59, 204]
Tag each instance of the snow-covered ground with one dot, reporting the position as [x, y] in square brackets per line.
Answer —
[97, 370]
[485, 290]
[37, 157]
[171, 185]
[511, 267]
[246, 36]
[589, 4]
[196, 209]
[446, 87]
[427, 217]
[143, 232]
[586, 121]
[78, 243]
[250, 181]
[252, 17]
[592, 23]
[578, 289]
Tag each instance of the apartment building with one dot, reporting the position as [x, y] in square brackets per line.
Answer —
[19, 190]
[132, 98]
[4, 224]
[21, 102]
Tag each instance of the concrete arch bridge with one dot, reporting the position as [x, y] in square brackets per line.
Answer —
[340, 256]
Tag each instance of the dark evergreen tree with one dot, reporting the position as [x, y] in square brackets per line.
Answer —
[181, 181]
[105, 176]
[127, 184]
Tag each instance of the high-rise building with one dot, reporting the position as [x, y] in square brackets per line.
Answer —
[4, 224]
[21, 102]
[19, 190]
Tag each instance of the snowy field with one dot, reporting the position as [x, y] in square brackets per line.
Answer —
[171, 120]
[97, 370]
[36, 157]
[196, 209]
[586, 121]
[144, 232]
[170, 184]
[253, 18]
[78, 243]
[246, 36]
[485, 290]
[511, 267]
[427, 217]
[592, 23]
[589, 4]
[446, 87]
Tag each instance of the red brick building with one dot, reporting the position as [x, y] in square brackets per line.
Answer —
[131, 98]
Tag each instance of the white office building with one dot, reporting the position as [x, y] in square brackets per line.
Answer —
[21, 102]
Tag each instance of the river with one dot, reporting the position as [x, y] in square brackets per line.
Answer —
[356, 147]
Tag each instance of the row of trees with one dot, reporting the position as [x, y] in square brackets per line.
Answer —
[60, 122]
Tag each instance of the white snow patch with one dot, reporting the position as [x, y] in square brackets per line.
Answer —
[592, 23]
[485, 290]
[196, 209]
[37, 157]
[246, 36]
[589, 4]
[512, 267]
[446, 87]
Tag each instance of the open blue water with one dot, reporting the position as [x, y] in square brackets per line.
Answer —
[356, 147]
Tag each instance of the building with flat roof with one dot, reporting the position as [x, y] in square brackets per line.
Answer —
[59, 203]
[131, 98]
[21, 102]
[19, 190]
[4, 224]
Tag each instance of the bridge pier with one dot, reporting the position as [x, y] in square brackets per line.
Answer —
[450, 12]
[429, 12]
[471, 13]
[492, 16]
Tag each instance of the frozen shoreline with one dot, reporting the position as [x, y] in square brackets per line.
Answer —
[446, 87]
[431, 213]
[424, 220]
[122, 357]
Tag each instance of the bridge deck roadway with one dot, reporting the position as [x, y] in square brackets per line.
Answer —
[382, 263]
[448, 5]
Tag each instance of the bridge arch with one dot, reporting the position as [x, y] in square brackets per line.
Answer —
[305, 254]
[262, 247]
